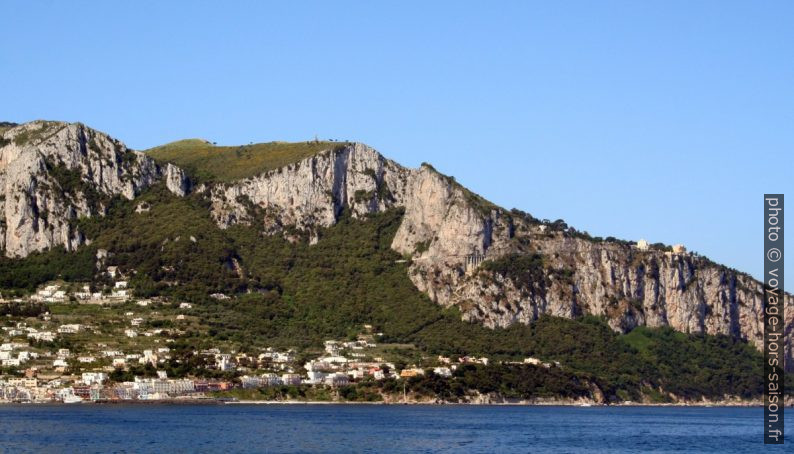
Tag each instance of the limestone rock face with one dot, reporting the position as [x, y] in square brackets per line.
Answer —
[176, 180]
[311, 193]
[53, 173]
[628, 287]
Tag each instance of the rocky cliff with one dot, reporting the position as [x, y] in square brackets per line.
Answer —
[499, 267]
[463, 248]
[53, 173]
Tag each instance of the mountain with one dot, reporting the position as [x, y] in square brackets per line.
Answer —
[53, 173]
[496, 267]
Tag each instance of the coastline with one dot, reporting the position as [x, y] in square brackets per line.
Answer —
[503, 404]
[551, 403]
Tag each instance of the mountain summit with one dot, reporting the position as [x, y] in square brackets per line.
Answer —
[497, 267]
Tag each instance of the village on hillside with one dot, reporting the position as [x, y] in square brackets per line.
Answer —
[72, 343]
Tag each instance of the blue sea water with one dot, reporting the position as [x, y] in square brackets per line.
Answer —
[86, 428]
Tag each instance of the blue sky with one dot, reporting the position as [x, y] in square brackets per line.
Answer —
[661, 120]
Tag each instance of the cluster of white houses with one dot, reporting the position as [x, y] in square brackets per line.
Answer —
[94, 386]
[342, 363]
[38, 369]
[53, 293]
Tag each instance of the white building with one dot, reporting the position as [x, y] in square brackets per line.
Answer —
[84, 294]
[356, 373]
[224, 362]
[334, 359]
[332, 347]
[90, 378]
[270, 379]
[337, 379]
[282, 357]
[45, 336]
[316, 377]
[250, 382]
[69, 329]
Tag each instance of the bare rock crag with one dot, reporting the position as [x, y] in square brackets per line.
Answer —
[53, 173]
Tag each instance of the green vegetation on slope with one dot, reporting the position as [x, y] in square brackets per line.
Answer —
[207, 162]
[508, 380]
[23, 276]
[293, 294]
[174, 248]
[691, 366]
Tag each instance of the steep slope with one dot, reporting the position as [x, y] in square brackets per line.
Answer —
[53, 173]
[498, 267]
[470, 253]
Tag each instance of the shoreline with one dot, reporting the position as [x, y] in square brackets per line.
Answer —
[500, 404]
[729, 404]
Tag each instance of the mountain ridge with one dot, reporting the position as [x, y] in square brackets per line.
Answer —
[463, 251]
[209, 162]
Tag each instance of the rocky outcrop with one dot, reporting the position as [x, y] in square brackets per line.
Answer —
[626, 286]
[176, 180]
[53, 173]
[311, 194]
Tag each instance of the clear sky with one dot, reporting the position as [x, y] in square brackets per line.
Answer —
[661, 120]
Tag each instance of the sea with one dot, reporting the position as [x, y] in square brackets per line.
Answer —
[299, 428]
